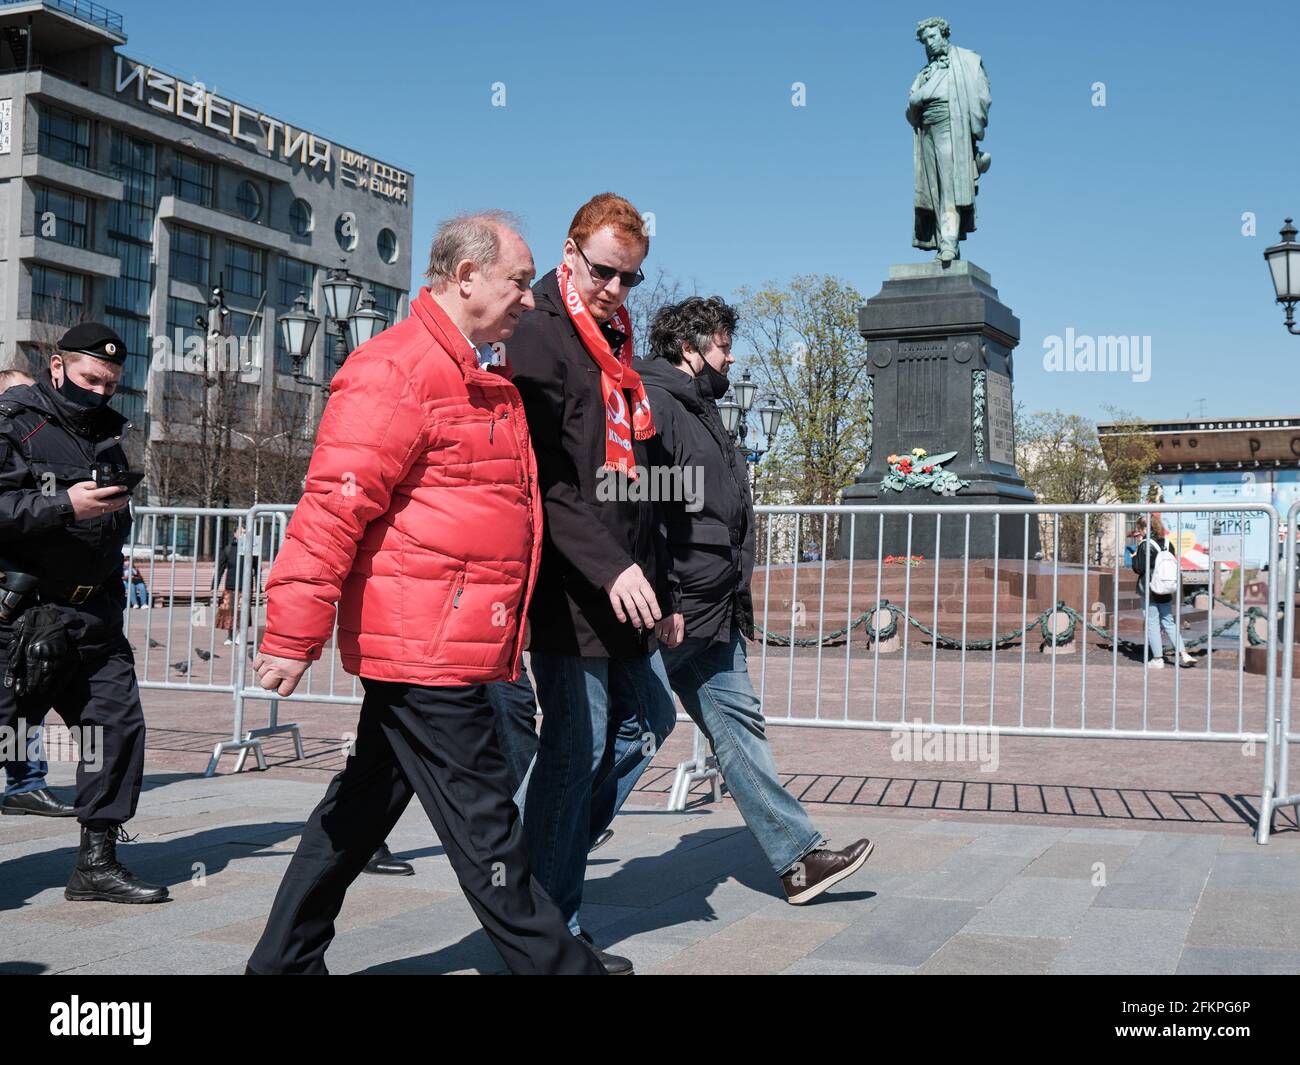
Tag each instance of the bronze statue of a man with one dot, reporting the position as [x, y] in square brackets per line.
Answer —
[948, 108]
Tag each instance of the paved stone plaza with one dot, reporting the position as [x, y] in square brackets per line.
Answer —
[949, 888]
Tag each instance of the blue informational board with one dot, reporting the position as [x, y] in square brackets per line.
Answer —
[1242, 486]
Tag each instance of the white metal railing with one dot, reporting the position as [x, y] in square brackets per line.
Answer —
[1008, 644]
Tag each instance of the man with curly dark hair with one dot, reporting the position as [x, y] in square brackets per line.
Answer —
[711, 540]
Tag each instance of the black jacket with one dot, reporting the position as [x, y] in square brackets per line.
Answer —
[711, 534]
[588, 540]
[229, 568]
[47, 445]
[1144, 560]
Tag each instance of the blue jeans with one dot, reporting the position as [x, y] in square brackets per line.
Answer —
[136, 593]
[1159, 614]
[29, 775]
[712, 681]
[587, 761]
[514, 708]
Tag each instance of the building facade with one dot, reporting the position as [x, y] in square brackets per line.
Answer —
[128, 195]
[1250, 461]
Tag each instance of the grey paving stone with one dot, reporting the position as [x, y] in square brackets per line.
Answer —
[680, 892]
[1212, 961]
[813, 966]
[1042, 907]
[1166, 871]
[1127, 837]
[967, 954]
[1263, 868]
[969, 875]
[1079, 860]
[1114, 941]
[1241, 919]
[898, 931]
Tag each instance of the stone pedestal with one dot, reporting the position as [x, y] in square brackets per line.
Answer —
[940, 347]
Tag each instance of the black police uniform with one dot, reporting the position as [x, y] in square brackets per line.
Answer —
[48, 442]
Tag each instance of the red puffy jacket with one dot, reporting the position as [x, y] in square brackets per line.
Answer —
[420, 517]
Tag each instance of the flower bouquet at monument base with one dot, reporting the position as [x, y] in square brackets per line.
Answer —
[919, 469]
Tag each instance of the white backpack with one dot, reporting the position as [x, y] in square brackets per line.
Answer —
[1164, 574]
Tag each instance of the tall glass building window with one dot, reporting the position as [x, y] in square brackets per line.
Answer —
[248, 329]
[132, 162]
[294, 276]
[387, 300]
[192, 180]
[63, 136]
[182, 391]
[191, 255]
[62, 216]
[126, 297]
[57, 298]
[245, 272]
[129, 397]
[130, 291]
[135, 334]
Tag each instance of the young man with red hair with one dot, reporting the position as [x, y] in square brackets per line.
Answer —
[603, 593]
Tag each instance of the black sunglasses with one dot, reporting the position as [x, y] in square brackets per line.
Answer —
[606, 274]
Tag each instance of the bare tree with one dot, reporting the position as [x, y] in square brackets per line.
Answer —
[646, 300]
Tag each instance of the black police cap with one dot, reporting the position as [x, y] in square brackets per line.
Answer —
[92, 338]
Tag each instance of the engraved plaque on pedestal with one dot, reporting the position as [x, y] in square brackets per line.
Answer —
[1001, 446]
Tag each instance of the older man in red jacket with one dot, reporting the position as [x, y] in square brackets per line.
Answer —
[420, 523]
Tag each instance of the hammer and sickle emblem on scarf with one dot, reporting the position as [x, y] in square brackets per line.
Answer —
[617, 408]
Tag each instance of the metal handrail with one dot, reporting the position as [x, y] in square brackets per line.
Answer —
[95, 14]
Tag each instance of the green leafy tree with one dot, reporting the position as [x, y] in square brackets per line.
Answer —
[809, 356]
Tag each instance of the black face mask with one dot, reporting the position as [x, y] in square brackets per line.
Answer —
[82, 397]
[715, 381]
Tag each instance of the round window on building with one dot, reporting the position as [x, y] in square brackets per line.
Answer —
[388, 245]
[300, 217]
[249, 200]
[345, 231]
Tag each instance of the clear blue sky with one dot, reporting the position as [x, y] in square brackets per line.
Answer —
[1117, 220]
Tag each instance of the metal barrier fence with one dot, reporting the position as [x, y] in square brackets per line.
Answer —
[908, 630]
[883, 639]
[1282, 795]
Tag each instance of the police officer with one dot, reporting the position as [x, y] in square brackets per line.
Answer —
[64, 487]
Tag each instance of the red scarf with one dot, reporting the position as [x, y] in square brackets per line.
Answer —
[616, 374]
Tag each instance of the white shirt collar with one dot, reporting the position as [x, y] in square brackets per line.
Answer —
[486, 354]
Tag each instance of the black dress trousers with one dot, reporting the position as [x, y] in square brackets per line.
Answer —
[439, 744]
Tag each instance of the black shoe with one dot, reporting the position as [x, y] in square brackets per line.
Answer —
[100, 877]
[384, 864]
[615, 964]
[821, 868]
[40, 803]
[601, 840]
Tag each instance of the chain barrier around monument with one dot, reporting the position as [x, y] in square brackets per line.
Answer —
[907, 637]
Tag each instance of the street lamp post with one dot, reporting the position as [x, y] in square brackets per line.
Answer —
[1283, 261]
[734, 411]
[352, 320]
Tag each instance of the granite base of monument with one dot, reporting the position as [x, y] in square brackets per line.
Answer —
[940, 344]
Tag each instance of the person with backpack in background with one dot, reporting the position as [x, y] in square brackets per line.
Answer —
[1158, 574]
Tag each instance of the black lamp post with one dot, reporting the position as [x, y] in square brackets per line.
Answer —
[352, 320]
[1284, 263]
[735, 411]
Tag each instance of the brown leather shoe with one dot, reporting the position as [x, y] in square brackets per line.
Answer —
[820, 869]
